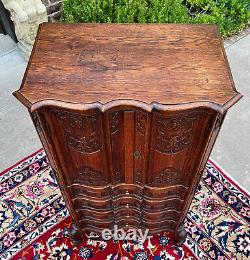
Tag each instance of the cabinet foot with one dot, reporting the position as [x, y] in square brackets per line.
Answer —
[180, 235]
[75, 235]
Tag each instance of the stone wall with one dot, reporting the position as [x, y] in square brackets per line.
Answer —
[53, 8]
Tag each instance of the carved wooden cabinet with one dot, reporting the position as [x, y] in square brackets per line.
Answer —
[128, 115]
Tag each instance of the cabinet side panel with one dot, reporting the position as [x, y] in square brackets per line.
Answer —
[213, 131]
[45, 137]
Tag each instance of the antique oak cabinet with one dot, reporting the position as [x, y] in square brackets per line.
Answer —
[128, 115]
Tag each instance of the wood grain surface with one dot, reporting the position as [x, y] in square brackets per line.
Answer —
[167, 63]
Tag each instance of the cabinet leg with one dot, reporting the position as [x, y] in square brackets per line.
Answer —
[75, 235]
[180, 235]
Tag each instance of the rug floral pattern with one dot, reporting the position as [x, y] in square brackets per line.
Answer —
[34, 221]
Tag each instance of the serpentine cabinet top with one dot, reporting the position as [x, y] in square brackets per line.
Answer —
[150, 63]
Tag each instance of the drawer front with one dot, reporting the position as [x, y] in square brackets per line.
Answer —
[99, 205]
[96, 215]
[162, 215]
[123, 190]
[127, 202]
[128, 213]
[163, 225]
[161, 205]
[126, 223]
[178, 192]
[78, 191]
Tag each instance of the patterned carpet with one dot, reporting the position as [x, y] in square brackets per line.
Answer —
[34, 221]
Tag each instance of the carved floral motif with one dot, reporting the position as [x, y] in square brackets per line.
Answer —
[89, 176]
[82, 132]
[114, 121]
[139, 177]
[168, 176]
[174, 134]
[86, 144]
[140, 121]
[117, 177]
[76, 120]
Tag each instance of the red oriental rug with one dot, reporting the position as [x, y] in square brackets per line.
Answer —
[34, 222]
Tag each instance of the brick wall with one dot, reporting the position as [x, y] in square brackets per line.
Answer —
[53, 9]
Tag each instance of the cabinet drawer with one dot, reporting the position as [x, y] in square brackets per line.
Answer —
[102, 205]
[89, 224]
[82, 190]
[165, 193]
[127, 190]
[160, 216]
[161, 205]
[126, 223]
[95, 215]
[127, 213]
[167, 225]
[127, 202]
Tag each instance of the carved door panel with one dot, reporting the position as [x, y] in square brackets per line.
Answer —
[176, 145]
[133, 167]
[79, 143]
